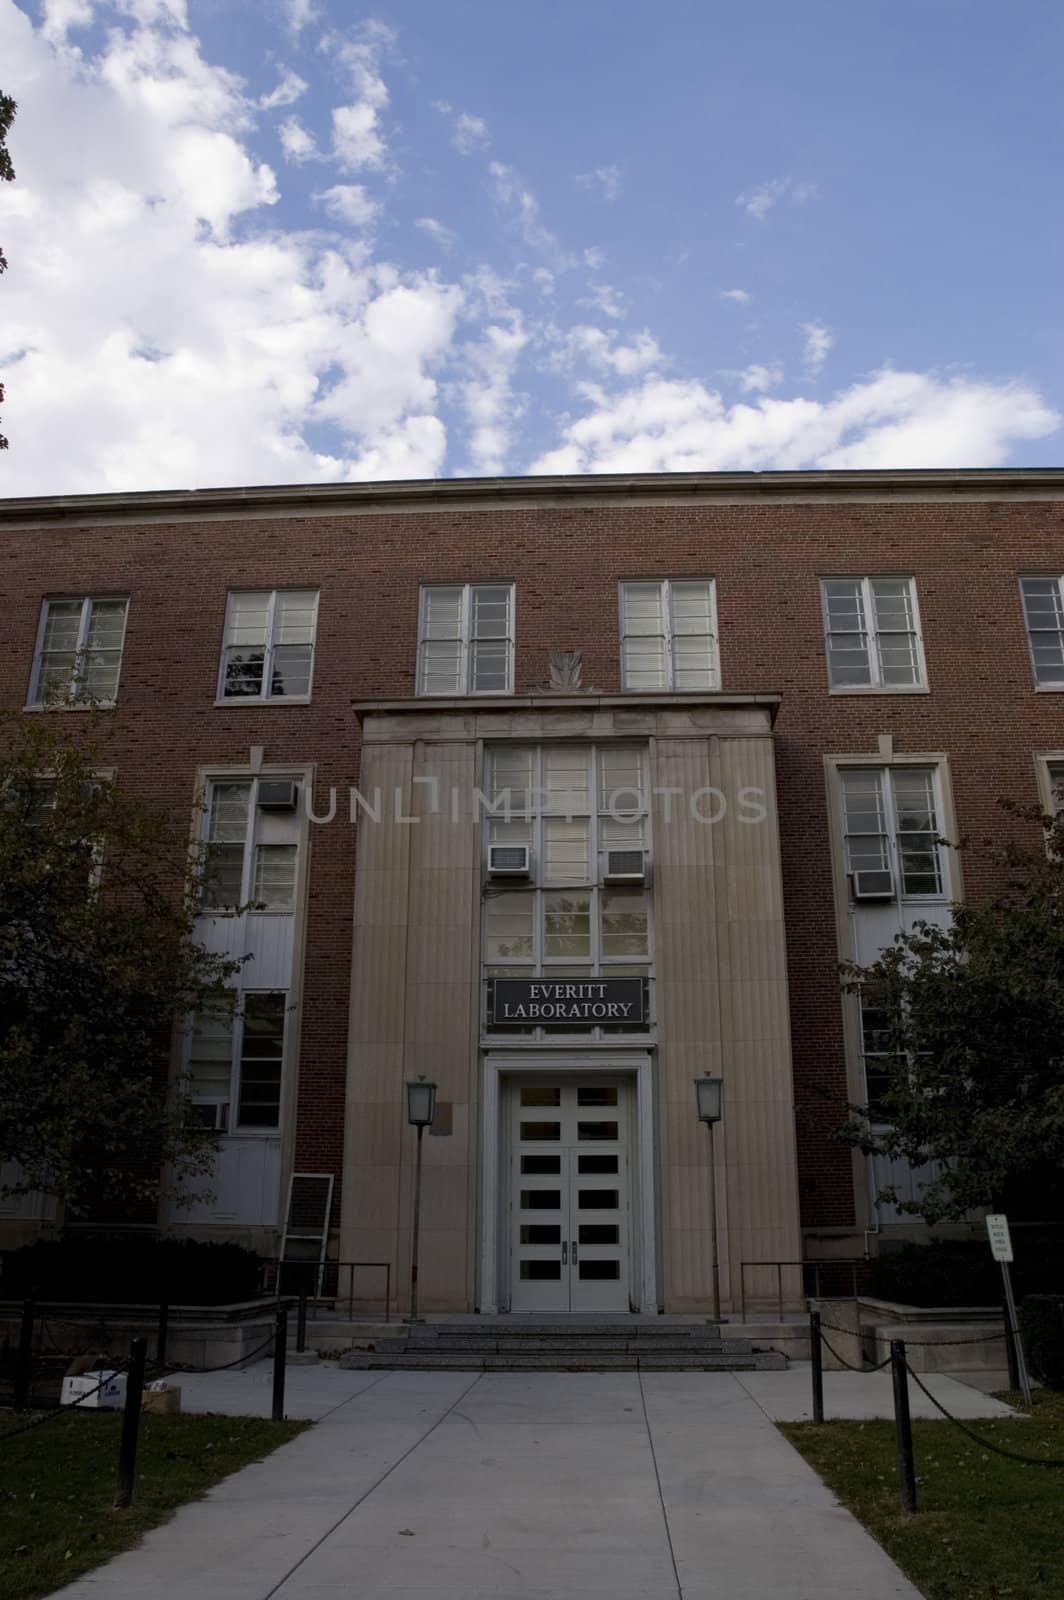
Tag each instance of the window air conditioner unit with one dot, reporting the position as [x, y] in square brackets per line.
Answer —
[278, 796]
[873, 885]
[625, 866]
[509, 861]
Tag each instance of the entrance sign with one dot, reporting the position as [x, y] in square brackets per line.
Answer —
[997, 1228]
[583, 1002]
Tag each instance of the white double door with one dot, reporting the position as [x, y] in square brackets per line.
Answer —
[569, 1197]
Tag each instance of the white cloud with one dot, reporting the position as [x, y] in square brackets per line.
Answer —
[757, 203]
[349, 203]
[605, 180]
[299, 13]
[512, 193]
[358, 139]
[605, 298]
[145, 350]
[543, 278]
[487, 396]
[818, 341]
[889, 420]
[470, 133]
[739, 296]
[287, 92]
[594, 258]
[298, 145]
[758, 378]
[438, 231]
[602, 350]
[62, 15]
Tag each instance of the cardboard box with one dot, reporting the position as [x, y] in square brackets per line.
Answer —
[162, 1402]
[111, 1396]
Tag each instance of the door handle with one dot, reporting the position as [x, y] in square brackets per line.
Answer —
[574, 1253]
[565, 1253]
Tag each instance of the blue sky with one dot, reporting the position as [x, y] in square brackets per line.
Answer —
[298, 240]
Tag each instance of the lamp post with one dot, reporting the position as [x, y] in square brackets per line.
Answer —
[709, 1096]
[420, 1110]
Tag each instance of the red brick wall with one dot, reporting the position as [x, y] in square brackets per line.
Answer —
[982, 709]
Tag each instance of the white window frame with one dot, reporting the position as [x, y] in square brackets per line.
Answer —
[250, 847]
[234, 1128]
[266, 698]
[466, 639]
[71, 702]
[877, 686]
[884, 768]
[665, 584]
[1053, 685]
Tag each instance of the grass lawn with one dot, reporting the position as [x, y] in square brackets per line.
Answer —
[987, 1528]
[57, 1485]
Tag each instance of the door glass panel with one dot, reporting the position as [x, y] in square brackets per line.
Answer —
[597, 1165]
[596, 1095]
[600, 1269]
[598, 1199]
[541, 1200]
[598, 1233]
[535, 1094]
[541, 1130]
[548, 1166]
[541, 1233]
[596, 1130]
[541, 1269]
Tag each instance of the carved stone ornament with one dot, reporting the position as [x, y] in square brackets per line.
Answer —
[566, 669]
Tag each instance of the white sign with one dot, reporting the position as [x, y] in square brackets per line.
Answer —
[997, 1228]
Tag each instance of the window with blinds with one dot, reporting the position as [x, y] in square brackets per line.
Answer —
[669, 635]
[466, 639]
[268, 652]
[79, 650]
[873, 636]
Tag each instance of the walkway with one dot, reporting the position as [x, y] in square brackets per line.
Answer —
[520, 1486]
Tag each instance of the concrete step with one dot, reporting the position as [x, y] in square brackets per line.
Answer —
[521, 1329]
[533, 1344]
[560, 1361]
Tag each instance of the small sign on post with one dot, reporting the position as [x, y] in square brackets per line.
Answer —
[997, 1231]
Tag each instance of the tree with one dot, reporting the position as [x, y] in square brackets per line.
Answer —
[7, 175]
[97, 960]
[971, 1022]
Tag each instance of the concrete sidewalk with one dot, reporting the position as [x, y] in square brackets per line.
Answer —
[520, 1486]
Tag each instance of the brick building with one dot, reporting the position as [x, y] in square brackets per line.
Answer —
[623, 871]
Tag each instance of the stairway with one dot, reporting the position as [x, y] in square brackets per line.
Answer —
[591, 1344]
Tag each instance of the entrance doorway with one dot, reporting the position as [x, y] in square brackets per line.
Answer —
[570, 1197]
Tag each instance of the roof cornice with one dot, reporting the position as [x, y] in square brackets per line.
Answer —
[435, 494]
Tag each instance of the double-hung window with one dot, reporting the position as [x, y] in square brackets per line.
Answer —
[892, 828]
[246, 866]
[466, 639]
[79, 650]
[873, 634]
[268, 652]
[236, 1065]
[1043, 609]
[669, 635]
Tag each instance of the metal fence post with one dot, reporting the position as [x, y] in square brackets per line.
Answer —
[817, 1354]
[903, 1425]
[301, 1322]
[1010, 1351]
[163, 1329]
[24, 1360]
[280, 1351]
[127, 1453]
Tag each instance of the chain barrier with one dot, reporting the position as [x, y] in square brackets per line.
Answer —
[931, 1344]
[985, 1444]
[842, 1359]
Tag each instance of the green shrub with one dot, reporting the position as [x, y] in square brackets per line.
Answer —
[131, 1269]
[958, 1272]
[1042, 1330]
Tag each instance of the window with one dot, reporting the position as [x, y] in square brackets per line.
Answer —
[268, 652]
[1043, 607]
[245, 865]
[873, 634]
[876, 1054]
[891, 824]
[568, 804]
[669, 635]
[79, 651]
[238, 1062]
[466, 639]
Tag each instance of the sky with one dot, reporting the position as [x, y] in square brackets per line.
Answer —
[294, 241]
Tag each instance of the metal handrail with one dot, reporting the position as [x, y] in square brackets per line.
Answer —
[817, 1264]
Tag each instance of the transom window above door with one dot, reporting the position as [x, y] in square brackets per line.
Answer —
[872, 629]
[268, 652]
[669, 634]
[466, 639]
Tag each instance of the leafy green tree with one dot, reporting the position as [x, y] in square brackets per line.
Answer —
[7, 175]
[97, 960]
[971, 1022]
